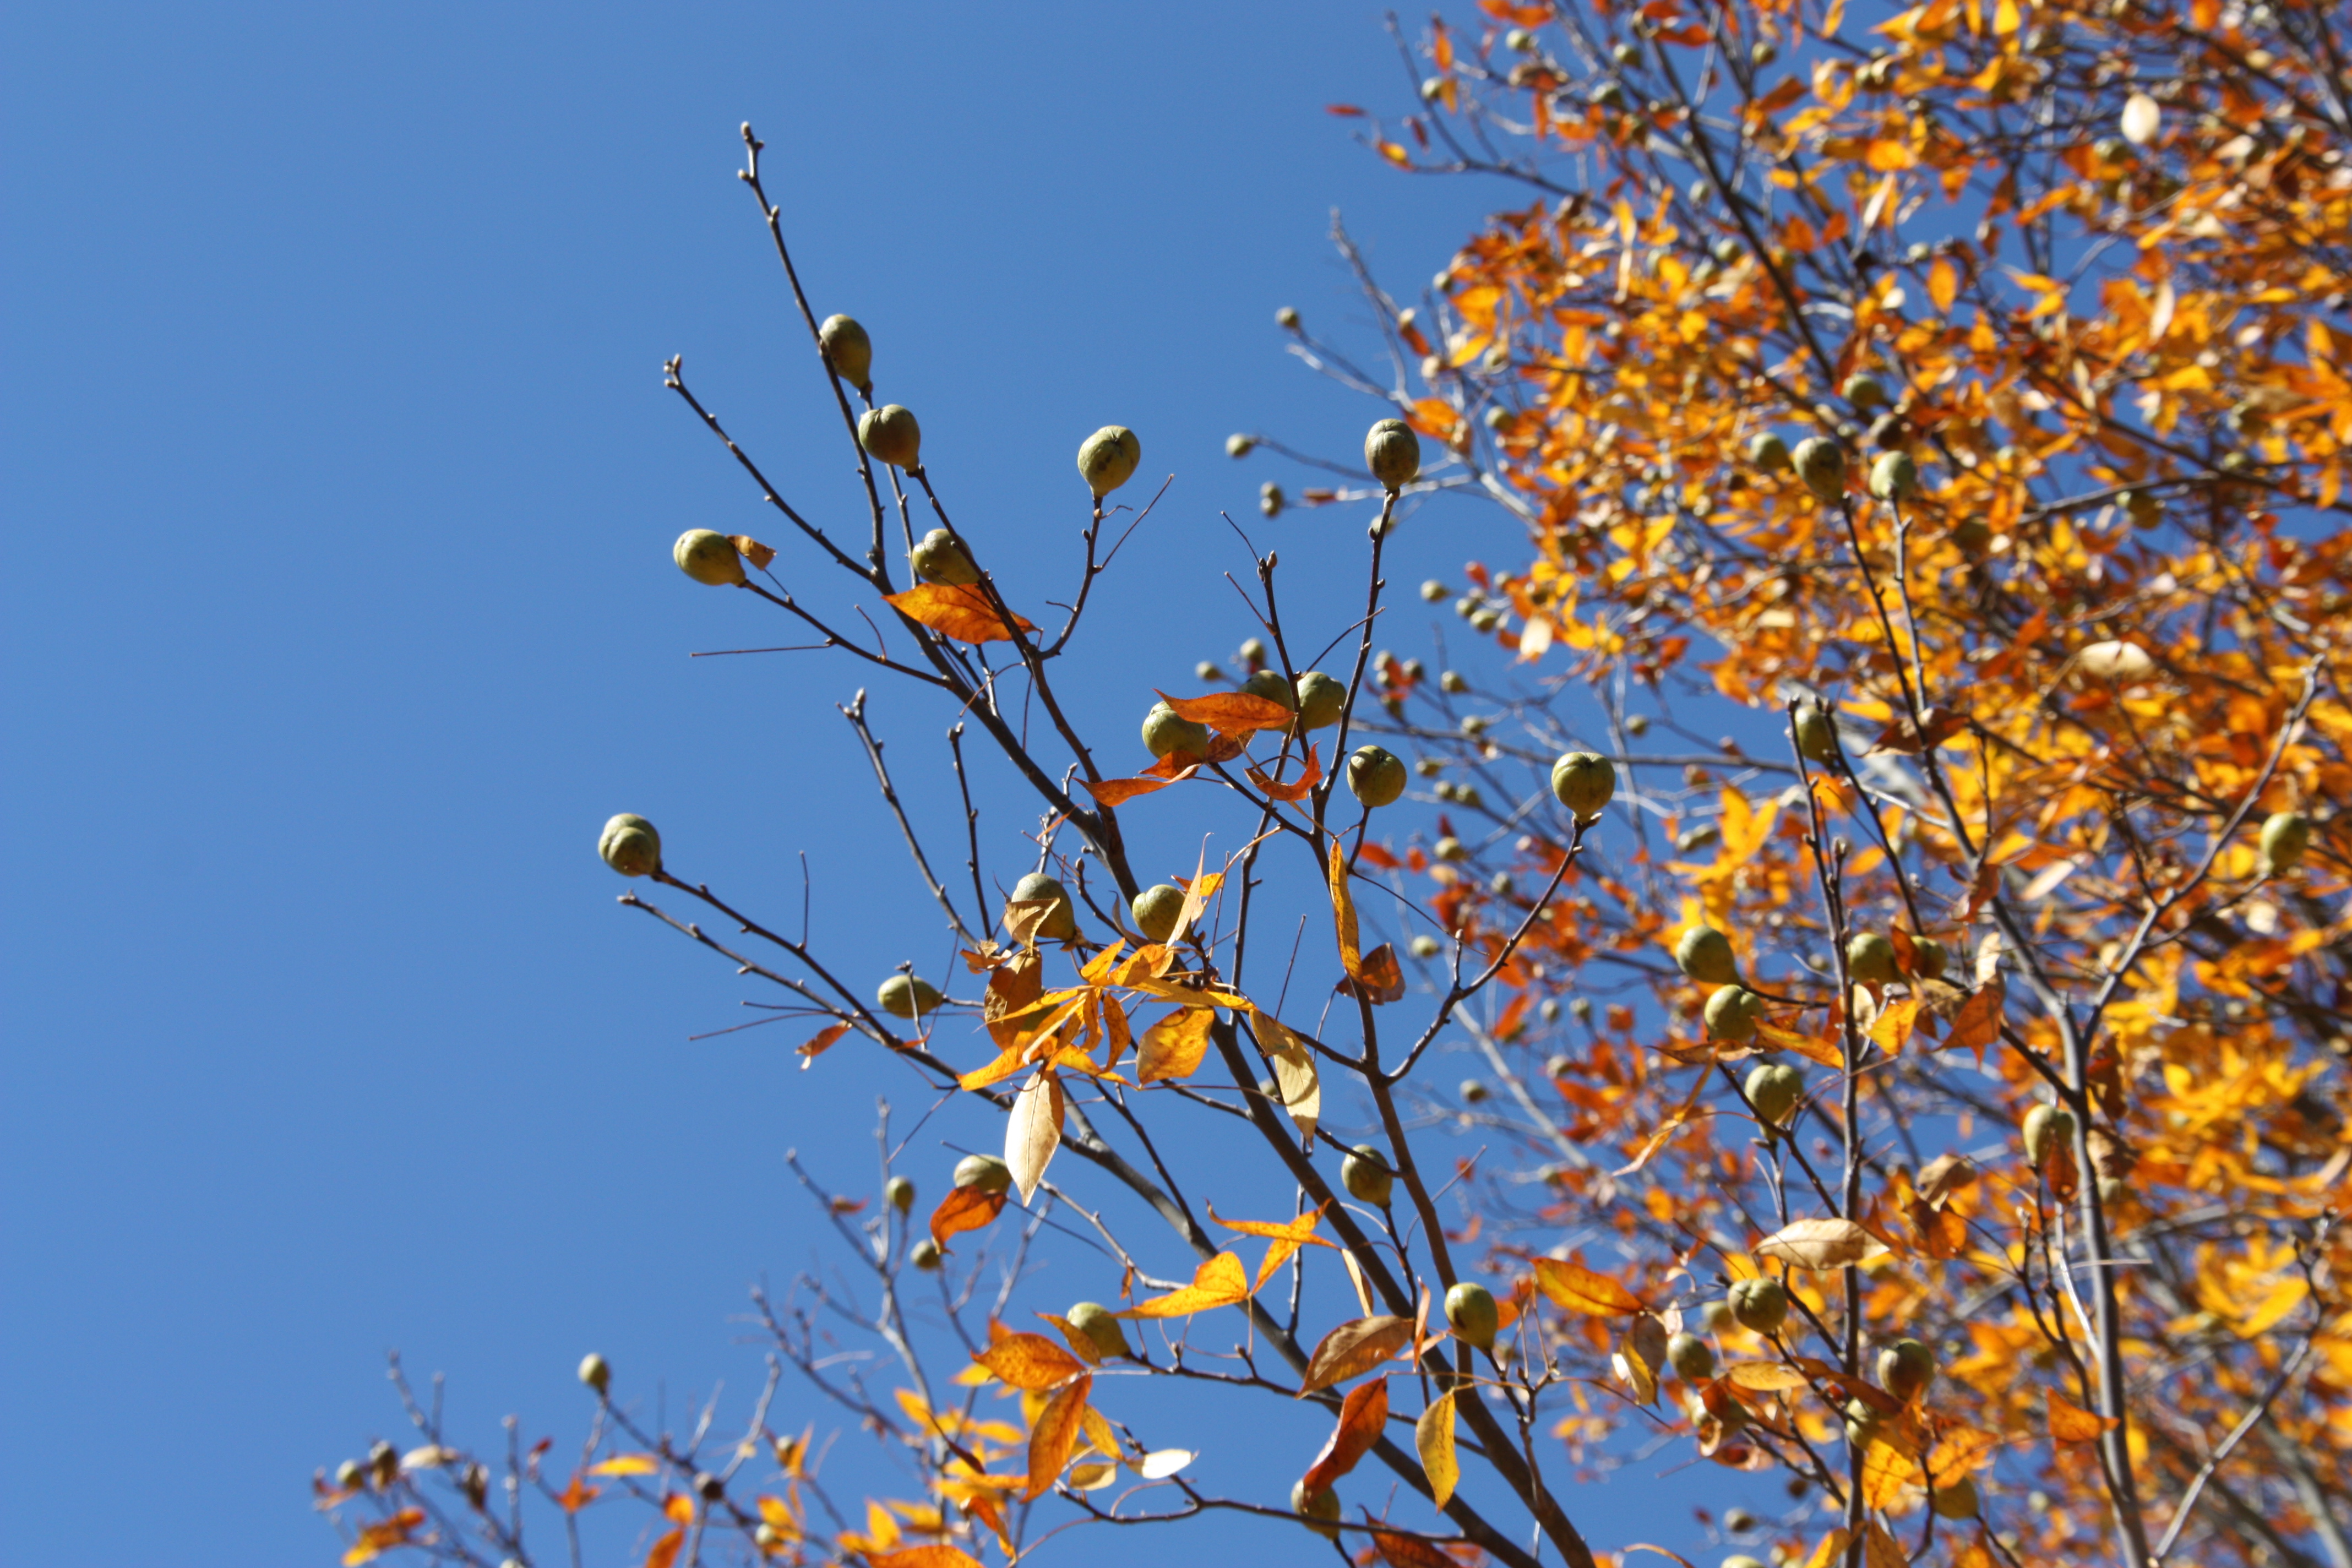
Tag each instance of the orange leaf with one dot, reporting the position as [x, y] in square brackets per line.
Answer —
[394, 1531]
[1408, 1551]
[1353, 1349]
[1231, 712]
[1174, 1046]
[2070, 1423]
[1343, 911]
[751, 549]
[666, 1550]
[963, 1209]
[1299, 788]
[822, 1043]
[1977, 1023]
[959, 610]
[1030, 1360]
[678, 1509]
[1219, 1282]
[1894, 1025]
[1378, 979]
[925, 1557]
[576, 1496]
[1579, 1289]
[1055, 1434]
[1943, 285]
[1395, 154]
[1363, 1416]
[1119, 791]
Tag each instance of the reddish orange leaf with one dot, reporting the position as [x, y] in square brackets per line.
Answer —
[1363, 1416]
[1030, 1362]
[1378, 979]
[1353, 1349]
[1409, 1551]
[963, 1209]
[1055, 1434]
[925, 1557]
[1231, 712]
[2070, 1423]
[1298, 788]
[959, 610]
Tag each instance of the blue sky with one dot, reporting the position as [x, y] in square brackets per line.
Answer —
[340, 485]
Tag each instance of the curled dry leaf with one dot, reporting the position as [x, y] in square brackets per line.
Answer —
[963, 1209]
[1378, 979]
[1296, 789]
[1353, 1349]
[1820, 1244]
[751, 549]
[1363, 1416]
[1033, 1131]
[1231, 712]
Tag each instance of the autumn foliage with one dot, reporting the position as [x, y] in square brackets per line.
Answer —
[1916, 442]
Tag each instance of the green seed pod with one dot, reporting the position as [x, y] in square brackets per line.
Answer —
[1609, 95]
[1376, 775]
[1470, 1310]
[350, 1476]
[1715, 1316]
[1320, 699]
[1894, 476]
[1821, 463]
[1205, 670]
[1252, 654]
[709, 558]
[1732, 1012]
[1433, 591]
[1106, 458]
[2047, 1129]
[1286, 319]
[900, 1193]
[1958, 1500]
[1759, 1304]
[1452, 682]
[1637, 725]
[1763, 52]
[1584, 782]
[1061, 921]
[1474, 1091]
[1816, 734]
[2142, 507]
[1155, 910]
[1865, 392]
[907, 996]
[1971, 537]
[1096, 1321]
[1269, 684]
[1240, 445]
[1691, 1357]
[1365, 1173]
[630, 846]
[1580, 1009]
[596, 1373]
[924, 1255]
[1269, 500]
[1705, 954]
[1320, 1509]
[1774, 1090]
[848, 350]
[1906, 1368]
[1393, 454]
[1768, 452]
[939, 557]
[1870, 959]
[891, 435]
[1449, 848]
[985, 1172]
[1164, 732]
[2286, 839]
[1738, 1522]
[1425, 946]
[1741, 1559]
[1929, 958]
[1862, 1422]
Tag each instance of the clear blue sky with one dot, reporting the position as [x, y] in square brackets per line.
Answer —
[340, 485]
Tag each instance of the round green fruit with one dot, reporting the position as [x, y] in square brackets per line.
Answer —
[1759, 1304]
[2142, 507]
[940, 557]
[1100, 1326]
[985, 1172]
[1741, 1559]
[1906, 1368]
[924, 1255]
[891, 435]
[1774, 1088]
[1269, 684]
[1376, 775]
[2046, 1128]
[1691, 1357]
[1821, 463]
[1061, 921]
[900, 1193]
[1929, 958]
[1286, 319]
[1320, 699]
[1816, 734]
[1894, 476]
[1425, 946]
[1956, 1501]
[1768, 452]
[1862, 1422]
[1106, 458]
[2286, 839]
[596, 1373]
[709, 558]
[1240, 445]
[1155, 908]
[1270, 499]
[1393, 454]
[848, 350]
[1584, 782]
[1320, 1509]
[630, 846]
[1865, 392]
[1474, 1091]
[1365, 1173]
[1705, 954]
[1715, 1316]
[1870, 959]
[1470, 1310]
[1732, 1012]
[907, 996]
[1164, 732]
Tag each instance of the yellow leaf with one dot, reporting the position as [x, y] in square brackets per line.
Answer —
[627, 1465]
[1029, 1362]
[2070, 1423]
[1579, 1289]
[1432, 1434]
[1343, 910]
[1055, 1434]
[1174, 1046]
[1219, 1282]
[1943, 284]
[1893, 1027]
